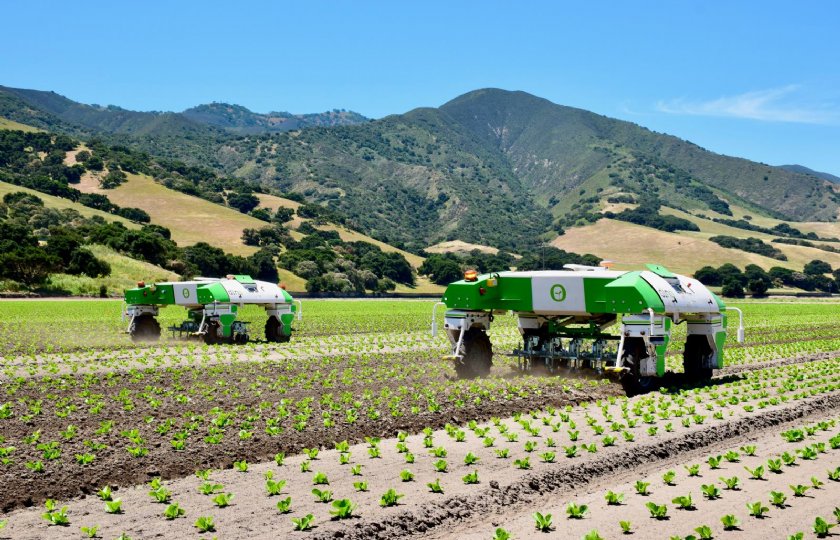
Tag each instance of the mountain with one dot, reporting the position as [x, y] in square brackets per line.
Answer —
[492, 167]
[555, 147]
[805, 170]
[238, 119]
[52, 110]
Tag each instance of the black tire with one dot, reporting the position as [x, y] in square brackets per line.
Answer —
[146, 329]
[633, 382]
[211, 337]
[478, 355]
[695, 354]
[274, 331]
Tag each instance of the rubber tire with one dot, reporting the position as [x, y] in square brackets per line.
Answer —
[274, 331]
[696, 348]
[146, 329]
[633, 383]
[212, 337]
[478, 355]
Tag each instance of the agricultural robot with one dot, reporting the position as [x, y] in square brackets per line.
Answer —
[564, 317]
[213, 305]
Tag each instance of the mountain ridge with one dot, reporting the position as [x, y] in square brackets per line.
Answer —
[493, 167]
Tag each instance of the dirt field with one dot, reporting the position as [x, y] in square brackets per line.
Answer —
[252, 437]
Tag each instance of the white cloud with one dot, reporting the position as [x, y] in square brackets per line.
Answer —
[772, 105]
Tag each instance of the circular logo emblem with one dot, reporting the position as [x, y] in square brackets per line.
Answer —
[186, 293]
[558, 293]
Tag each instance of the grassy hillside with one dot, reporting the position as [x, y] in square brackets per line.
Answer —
[5, 123]
[190, 219]
[61, 204]
[125, 273]
[492, 167]
[631, 246]
[553, 146]
[459, 246]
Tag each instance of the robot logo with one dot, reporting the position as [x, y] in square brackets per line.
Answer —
[557, 292]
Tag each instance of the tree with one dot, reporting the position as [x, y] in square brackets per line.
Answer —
[757, 287]
[30, 266]
[208, 260]
[82, 261]
[114, 178]
[708, 276]
[307, 269]
[441, 269]
[244, 202]
[733, 289]
[817, 267]
[94, 163]
[283, 214]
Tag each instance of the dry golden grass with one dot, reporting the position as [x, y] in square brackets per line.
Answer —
[822, 228]
[60, 204]
[190, 219]
[459, 246]
[5, 123]
[631, 246]
[125, 273]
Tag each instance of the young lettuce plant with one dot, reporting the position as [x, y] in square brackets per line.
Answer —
[657, 511]
[642, 487]
[435, 487]
[777, 498]
[711, 491]
[757, 509]
[360, 486]
[284, 506]
[303, 523]
[174, 511]
[323, 496]
[342, 509]
[730, 522]
[205, 524]
[54, 515]
[704, 532]
[114, 506]
[222, 500]
[471, 478]
[390, 498]
[822, 528]
[576, 511]
[684, 502]
[613, 498]
[542, 522]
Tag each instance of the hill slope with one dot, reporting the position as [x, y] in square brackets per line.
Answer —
[555, 147]
[238, 119]
[491, 167]
[805, 170]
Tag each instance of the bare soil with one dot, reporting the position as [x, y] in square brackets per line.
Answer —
[504, 496]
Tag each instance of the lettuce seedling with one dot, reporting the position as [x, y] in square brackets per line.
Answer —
[174, 511]
[657, 511]
[342, 509]
[542, 521]
[284, 506]
[303, 523]
[390, 498]
[576, 511]
[434, 487]
[614, 498]
[730, 522]
[324, 496]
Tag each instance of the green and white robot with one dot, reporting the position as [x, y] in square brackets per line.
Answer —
[213, 305]
[564, 317]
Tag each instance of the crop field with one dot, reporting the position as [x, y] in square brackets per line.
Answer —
[358, 429]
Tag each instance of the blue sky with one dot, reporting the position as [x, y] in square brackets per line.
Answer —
[759, 80]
